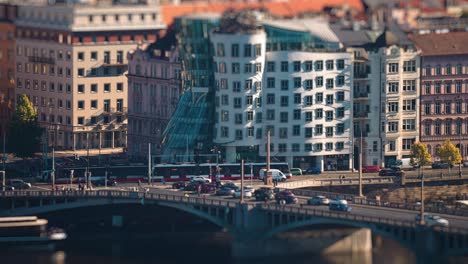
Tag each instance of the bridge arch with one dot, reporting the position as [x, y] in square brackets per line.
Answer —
[102, 202]
[318, 221]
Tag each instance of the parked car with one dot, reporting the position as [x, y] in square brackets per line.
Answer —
[200, 179]
[339, 205]
[225, 191]
[19, 184]
[313, 170]
[296, 171]
[318, 200]
[248, 192]
[179, 185]
[391, 172]
[432, 220]
[370, 168]
[286, 197]
[264, 194]
[441, 165]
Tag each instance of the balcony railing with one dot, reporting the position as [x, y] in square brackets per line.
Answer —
[361, 115]
[361, 95]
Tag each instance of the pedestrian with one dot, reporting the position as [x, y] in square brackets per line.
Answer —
[139, 184]
[199, 190]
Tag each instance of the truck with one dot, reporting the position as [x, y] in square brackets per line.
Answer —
[402, 164]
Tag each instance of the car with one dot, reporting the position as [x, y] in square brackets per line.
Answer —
[200, 179]
[248, 192]
[224, 191]
[370, 168]
[19, 184]
[339, 205]
[313, 170]
[179, 185]
[102, 182]
[318, 200]
[208, 188]
[465, 163]
[230, 185]
[7, 188]
[264, 194]
[296, 171]
[441, 165]
[432, 220]
[391, 172]
[286, 197]
[192, 186]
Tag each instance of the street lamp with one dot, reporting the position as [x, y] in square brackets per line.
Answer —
[360, 167]
[460, 150]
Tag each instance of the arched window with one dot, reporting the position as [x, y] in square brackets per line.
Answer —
[429, 149]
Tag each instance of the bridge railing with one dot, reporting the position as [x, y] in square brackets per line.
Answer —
[336, 182]
[340, 215]
[175, 197]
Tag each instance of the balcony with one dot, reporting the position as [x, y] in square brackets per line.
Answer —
[361, 75]
[361, 95]
[361, 115]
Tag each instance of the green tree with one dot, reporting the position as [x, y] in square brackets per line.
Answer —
[419, 155]
[449, 153]
[24, 133]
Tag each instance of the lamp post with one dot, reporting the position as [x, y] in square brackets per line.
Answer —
[460, 150]
[421, 172]
[53, 169]
[360, 167]
[87, 163]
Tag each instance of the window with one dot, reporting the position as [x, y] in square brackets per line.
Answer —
[282, 147]
[258, 50]
[258, 67]
[409, 66]
[437, 128]
[235, 68]
[224, 116]
[409, 105]
[284, 100]
[296, 66]
[340, 96]
[319, 97]
[258, 118]
[247, 50]
[448, 69]
[458, 86]
[330, 83]
[340, 80]
[437, 108]
[409, 85]
[297, 82]
[94, 88]
[392, 127]
[284, 85]
[270, 114]
[308, 84]
[220, 49]
[318, 129]
[318, 65]
[297, 114]
[448, 87]
[297, 98]
[238, 119]
[94, 104]
[93, 55]
[409, 124]
[224, 132]
[308, 132]
[81, 88]
[308, 100]
[222, 67]
[68, 104]
[329, 99]
[270, 82]
[120, 56]
[235, 50]
[318, 113]
[448, 107]
[250, 131]
[329, 131]
[80, 56]
[340, 112]
[319, 81]
[107, 87]
[237, 102]
[407, 143]
[393, 107]
[340, 64]
[308, 147]
[80, 72]
[295, 147]
[270, 98]
[284, 66]
[224, 99]
[393, 68]
[249, 116]
[119, 87]
[329, 65]
[247, 68]
[458, 107]
[236, 86]
[248, 100]
[308, 65]
[270, 66]
[438, 70]
[328, 115]
[437, 88]
[428, 70]
[393, 87]
[81, 105]
[340, 128]
[308, 116]
[284, 117]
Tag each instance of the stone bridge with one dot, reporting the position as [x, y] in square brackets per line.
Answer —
[261, 229]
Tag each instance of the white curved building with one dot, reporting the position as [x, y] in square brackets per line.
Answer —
[300, 93]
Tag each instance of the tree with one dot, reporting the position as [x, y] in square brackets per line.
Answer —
[420, 157]
[24, 132]
[449, 153]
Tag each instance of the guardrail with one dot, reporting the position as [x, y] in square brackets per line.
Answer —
[121, 195]
[341, 215]
[336, 182]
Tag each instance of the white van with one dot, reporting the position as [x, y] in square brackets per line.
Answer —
[275, 174]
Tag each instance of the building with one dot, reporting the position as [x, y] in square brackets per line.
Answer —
[397, 61]
[71, 62]
[7, 66]
[154, 86]
[288, 77]
[444, 90]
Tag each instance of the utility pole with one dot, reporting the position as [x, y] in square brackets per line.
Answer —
[87, 163]
[149, 164]
[360, 167]
[460, 150]
[265, 177]
[422, 220]
[4, 158]
[242, 182]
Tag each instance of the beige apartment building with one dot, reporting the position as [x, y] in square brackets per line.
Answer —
[71, 62]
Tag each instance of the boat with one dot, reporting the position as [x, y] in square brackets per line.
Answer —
[29, 232]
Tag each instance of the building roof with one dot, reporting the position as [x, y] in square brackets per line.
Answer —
[315, 26]
[350, 37]
[290, 8]
[453, 43]
[392, 35]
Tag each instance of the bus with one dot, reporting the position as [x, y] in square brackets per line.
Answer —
[117, 173]
[224, 171]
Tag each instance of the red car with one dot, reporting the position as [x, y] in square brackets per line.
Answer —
[370, 168]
